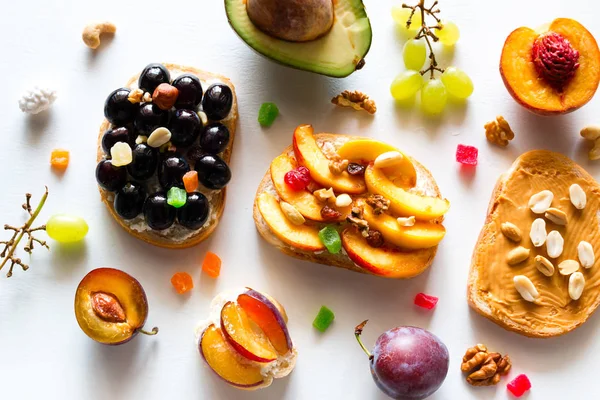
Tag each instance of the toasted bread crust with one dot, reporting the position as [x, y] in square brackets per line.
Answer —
[217, 203]
[543, 160]
[425, 181]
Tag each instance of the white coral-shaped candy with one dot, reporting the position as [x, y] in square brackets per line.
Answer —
[37, 100]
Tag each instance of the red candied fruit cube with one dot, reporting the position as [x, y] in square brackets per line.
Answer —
[298, 179]
[466, 155]
[519, 385]
[425, 301]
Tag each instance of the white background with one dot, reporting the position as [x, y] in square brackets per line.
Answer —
[43, 353]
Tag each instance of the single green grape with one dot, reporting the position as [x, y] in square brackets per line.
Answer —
[457, 82]
[176, 197]
[433, 97]
[401, 15]
[414, 54]
[66, 228]
[406, 84]
[449, 34]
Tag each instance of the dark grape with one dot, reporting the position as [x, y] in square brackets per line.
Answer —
[213, 172]
[109, 177]
[129, 200]
[185, 126]
[214, 138]
[195, 153]
[149, 117]
[118, 110]
[115, 135]
[152, 76]
[217, 101]
[158, 214]
[190, 91]
[194, 213]
[171, 171]
[144, 163]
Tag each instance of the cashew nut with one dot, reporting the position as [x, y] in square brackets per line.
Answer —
[592, 134]
[91, 33]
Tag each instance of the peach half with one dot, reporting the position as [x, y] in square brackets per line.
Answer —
[553, 71]
[111, 306]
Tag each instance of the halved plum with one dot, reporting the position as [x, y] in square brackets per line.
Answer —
[270, 316]
[245, 335]
[111, 306]
[223, 359]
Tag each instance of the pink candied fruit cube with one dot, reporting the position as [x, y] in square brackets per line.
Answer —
[519, 385]
[425, 301]
[466, 155]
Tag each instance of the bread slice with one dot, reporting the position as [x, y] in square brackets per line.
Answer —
[177, 236]
[491, 291]
[417, 260]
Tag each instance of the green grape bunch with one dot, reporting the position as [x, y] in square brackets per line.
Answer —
[412, 24]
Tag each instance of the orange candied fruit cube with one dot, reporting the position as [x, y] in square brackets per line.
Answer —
[59, 158]
[190, 181]
[182, 282]
[212, 265]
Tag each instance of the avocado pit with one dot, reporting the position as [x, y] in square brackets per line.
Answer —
[292, 20]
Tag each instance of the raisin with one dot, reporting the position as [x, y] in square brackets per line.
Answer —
[356, 169]
[330, 214]
[375, 238]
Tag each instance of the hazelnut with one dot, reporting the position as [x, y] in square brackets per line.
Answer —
[164, 96]
[555, 59]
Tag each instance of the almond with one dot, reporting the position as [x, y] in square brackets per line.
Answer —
[577, 196]
[568, 267]
[541, 201]
[556, 216]
[585, 252]
[537, 234]
[511, 231]
[165, 96]
[554, 244]
[388, 159]
[159, 137]
[576, 285]
[292, 213]
[517, 255]
[525, 288]
[544, 265]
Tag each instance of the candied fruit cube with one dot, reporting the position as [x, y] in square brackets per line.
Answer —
[519, 385]
[267, 114]
[190, 181]
[425, 301]
[176, 197]
[182, 282]
[466, 155]
[330, 237]
[212, 265]
[323, 319]
[59, 158]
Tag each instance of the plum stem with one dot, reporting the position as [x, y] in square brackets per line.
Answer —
[357, 332]
[152, 333]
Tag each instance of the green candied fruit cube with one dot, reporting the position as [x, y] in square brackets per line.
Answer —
[323, 319]
[331, 239]
[176, 197]
[267, 114]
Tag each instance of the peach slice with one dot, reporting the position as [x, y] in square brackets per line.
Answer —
[385, 261]
[244, 335]
[304, 201]
[402, 202]
[304, 237]
[225, 362]
[270, 316]
[111, 306]
[422, 235]
[365, 151]
[310, 155]
[546, 78]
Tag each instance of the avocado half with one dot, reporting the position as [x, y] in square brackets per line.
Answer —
[338, 53]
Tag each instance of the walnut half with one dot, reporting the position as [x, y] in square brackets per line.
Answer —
[499, 132]
[357, 100]
[484, 368]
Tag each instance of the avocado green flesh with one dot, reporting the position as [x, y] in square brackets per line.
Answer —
[335, 54]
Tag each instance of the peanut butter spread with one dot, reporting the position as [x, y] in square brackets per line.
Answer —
[553, 312]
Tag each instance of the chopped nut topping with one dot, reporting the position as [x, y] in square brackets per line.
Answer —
[357, 100]
[540, 202]
[338, 166]
[499, 132]
[135, 96]
[141, 139]
[356, 220]
[329, 214]
[406, 221]
[374, 238]
[556, 216]
[526, 288]
[379, 203]
[343, 200]
[324, 195]
[147, 98]
[484, 368]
